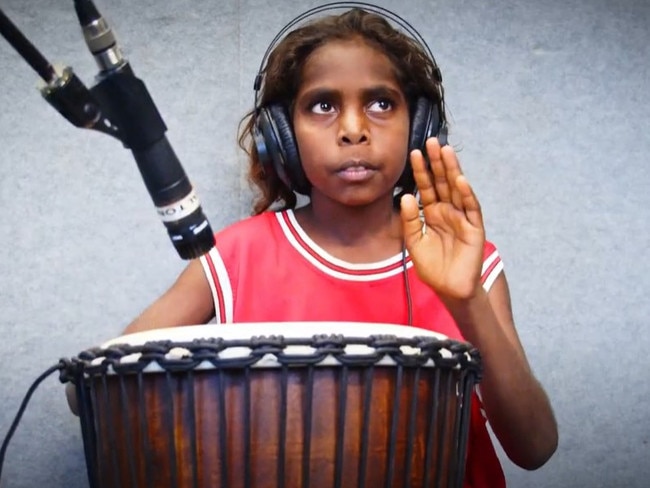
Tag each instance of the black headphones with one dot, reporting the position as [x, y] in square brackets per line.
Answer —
[273, 132]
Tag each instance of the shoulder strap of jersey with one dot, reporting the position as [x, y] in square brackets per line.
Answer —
[217, 276]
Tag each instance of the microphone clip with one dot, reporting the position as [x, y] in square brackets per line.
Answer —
[79, 105]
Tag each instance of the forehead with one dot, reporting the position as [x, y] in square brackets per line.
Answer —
[352, 61]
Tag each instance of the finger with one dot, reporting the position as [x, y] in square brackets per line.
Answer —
[440, 181]
[411, 223]
[452, 172]
[422, 178]
[470, 202]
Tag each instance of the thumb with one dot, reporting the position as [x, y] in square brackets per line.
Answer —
[411, 222]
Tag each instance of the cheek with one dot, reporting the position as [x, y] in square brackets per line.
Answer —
[400, 126]
[309, 142]
[401, 140]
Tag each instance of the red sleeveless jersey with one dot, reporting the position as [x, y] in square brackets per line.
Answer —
[267, 269]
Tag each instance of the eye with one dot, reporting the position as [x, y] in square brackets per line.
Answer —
[380, 105]
[322, 108]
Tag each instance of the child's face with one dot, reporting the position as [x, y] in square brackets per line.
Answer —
[351, 123]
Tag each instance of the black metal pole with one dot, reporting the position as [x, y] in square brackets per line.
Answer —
[26, 49]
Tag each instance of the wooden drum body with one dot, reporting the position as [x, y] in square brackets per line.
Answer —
[317, 405]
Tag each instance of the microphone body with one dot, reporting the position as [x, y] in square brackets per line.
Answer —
[129, 105]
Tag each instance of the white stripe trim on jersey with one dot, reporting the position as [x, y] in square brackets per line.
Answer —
[335, 261]
[477, 389]
[488, 281]
[224, 284]
[491, 278]
[488, 262]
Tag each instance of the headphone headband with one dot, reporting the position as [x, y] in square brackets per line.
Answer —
[384, 12]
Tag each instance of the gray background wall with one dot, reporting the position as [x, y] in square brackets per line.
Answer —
[549, 101]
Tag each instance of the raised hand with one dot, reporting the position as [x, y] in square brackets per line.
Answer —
[447, 248]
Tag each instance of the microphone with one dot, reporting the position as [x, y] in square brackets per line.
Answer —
[129, 105]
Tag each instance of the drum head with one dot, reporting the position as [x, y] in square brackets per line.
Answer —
[256, 329]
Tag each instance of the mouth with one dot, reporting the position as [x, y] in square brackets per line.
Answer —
[357, 165]
[356, 171]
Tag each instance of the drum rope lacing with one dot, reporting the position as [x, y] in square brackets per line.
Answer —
[119, 357]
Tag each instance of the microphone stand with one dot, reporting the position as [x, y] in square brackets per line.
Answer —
[120, 105]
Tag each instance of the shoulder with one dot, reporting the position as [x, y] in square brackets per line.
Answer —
[247, 224]
[246, 229]
[252, 236]
[490, 252]
[489, 249]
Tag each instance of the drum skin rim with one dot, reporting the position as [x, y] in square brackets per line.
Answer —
[243, 330]
[164, 349]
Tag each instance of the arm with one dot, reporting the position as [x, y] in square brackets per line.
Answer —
[448, 253]
[515, 403]
[187, 302]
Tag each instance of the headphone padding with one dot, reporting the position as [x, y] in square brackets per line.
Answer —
[290, 158]
[421, 124]
[266, 141]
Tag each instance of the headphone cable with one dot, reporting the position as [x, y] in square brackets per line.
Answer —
[21, 410]
[407, 287]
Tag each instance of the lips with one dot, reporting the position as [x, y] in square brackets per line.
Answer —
[358, 165]
[356, 171]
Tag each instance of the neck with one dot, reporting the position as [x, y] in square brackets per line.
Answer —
[346, 225]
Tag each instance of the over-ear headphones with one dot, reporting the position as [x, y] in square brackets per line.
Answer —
[273, 132]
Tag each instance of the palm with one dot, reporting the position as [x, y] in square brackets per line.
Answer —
[447, 249]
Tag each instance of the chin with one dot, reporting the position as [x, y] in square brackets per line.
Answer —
[356, 196]
[364, 199]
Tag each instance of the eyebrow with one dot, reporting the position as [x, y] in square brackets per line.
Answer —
[370, 92]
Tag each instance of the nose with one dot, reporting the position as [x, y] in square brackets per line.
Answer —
[353, 127]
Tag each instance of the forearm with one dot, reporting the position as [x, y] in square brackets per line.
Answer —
[515, 403]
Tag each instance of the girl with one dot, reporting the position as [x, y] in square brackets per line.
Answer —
[338, 108]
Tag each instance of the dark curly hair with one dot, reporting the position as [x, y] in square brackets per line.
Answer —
[416, 72]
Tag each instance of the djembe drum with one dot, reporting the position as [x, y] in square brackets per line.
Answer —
[276, 405]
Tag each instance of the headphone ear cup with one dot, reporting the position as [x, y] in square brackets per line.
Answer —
[424, 123]
[287, 162]
[266, 142]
